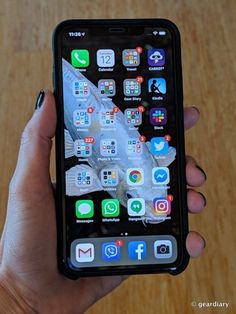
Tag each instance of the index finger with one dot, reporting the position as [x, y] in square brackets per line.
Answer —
[191, 116]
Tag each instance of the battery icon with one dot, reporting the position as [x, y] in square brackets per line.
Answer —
[162, 33]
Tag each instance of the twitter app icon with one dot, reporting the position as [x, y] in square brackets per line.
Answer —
[159, 146]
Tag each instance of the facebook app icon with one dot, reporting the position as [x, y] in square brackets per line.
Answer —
[137, 250]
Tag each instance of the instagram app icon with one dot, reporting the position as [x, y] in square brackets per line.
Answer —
[161, 206]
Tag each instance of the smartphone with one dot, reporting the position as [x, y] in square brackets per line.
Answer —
[120, 159]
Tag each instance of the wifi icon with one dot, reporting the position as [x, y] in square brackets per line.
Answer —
[155, 33]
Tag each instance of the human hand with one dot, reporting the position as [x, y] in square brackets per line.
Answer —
[28, 269]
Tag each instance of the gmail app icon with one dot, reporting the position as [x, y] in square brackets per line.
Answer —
[84, 252]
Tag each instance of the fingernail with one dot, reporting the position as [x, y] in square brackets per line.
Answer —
[40, 99]
[199, 168]
[204, 198]
[204, 243]
[196, 109]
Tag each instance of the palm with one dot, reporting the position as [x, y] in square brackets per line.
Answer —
[28, 244]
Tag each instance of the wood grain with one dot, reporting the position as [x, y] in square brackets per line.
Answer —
[208, 31]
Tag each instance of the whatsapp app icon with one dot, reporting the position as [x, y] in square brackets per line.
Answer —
[110, 207]
[136, 207]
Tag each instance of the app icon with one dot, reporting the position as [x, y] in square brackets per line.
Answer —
[163, 249]
[110, 251]
[161, 206]
[133, 117]
[80, 58]
[82, 149]
[105, 58]
[160, 175]
[109, 177]
[136, 206]
[157, 86]
[135, 176]
[84, 252]
[83, 178]
[137, 250]
[81, 118]
[156, 57]
[159, 146]
[130, 58]
[110, 207]
[81, 88]
[108, 147]
[84, 209]
[107, 118]
[134, 147]
[158, 116]
[131, 87]
[107, 87]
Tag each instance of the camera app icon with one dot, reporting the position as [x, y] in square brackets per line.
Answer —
[163, 249]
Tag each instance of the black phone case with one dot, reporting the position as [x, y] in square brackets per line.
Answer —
[60, 212]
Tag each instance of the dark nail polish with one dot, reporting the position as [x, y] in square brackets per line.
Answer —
[204, 243]
[204, 198]
[39, 100]
[196, 109]
[202, 171]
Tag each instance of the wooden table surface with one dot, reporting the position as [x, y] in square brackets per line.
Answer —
[208, 31]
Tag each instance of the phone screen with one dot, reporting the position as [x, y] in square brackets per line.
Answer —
[121, 149]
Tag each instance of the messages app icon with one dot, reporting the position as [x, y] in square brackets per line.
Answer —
[159, 146]
[110, 207]
[84, 209]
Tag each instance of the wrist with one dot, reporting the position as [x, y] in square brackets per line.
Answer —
[11, 301]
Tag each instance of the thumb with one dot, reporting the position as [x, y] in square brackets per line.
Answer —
[32, 170]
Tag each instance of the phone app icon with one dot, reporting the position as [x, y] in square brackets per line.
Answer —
[84, 252]
[130, 58]
[80, 58]
[133, 117]
[83, 179]
[137, 250]
[163, 249]
[135, 176]
[108, 147]
[82, 149]
[160, 175]
[107, 87]
[110, 207]
[134, 147]
[131, 87]
[81, 88]
[111, 251]
[109, 177]
[105, 58]
[81, 118]
[156, 57]
[158, 116]
[159, 146]
[161, 206]
[84, 209]
[136, 206]
[157, 86]
[107, 118]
